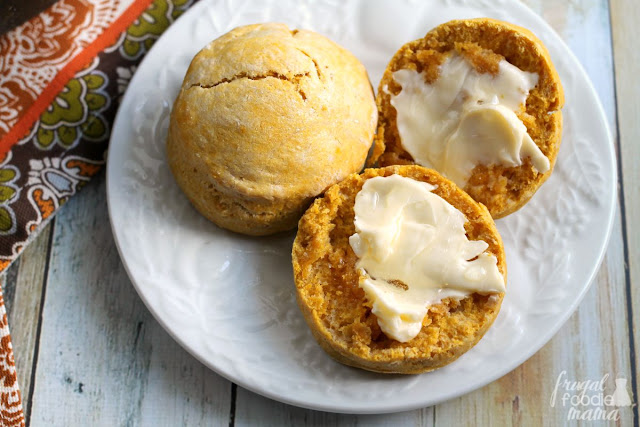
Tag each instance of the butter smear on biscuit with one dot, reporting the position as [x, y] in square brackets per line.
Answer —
[465, 118]
[413, 252]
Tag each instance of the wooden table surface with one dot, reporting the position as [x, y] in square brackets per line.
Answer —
[88, 352]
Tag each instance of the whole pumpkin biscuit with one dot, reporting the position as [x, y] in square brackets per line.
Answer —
[266, 119]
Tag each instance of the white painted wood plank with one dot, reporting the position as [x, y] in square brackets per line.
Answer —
[625, 20]
[103, 359]
[24, 312]
[255, 410]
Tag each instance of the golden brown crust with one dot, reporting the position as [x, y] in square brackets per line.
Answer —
[484, 42]
[266, 119]
[335, 306]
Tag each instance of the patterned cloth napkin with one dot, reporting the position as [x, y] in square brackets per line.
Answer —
[62, 76]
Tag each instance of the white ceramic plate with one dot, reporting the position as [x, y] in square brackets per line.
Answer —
[229, 299]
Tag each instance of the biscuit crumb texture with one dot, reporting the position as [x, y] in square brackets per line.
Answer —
[484, 43]
[267, 119]
[335, 306]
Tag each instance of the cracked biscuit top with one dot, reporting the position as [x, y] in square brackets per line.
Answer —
[267, 118]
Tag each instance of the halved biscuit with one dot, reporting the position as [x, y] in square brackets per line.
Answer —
[483, 43]
[335, 306]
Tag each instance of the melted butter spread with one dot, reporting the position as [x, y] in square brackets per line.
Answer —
[465, 118]
[413, 252]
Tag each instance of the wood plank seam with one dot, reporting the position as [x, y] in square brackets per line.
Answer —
[434, 415]
[232, 405]
[623, 220]
[36, 350]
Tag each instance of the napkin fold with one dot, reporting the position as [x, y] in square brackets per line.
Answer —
[62, 76]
